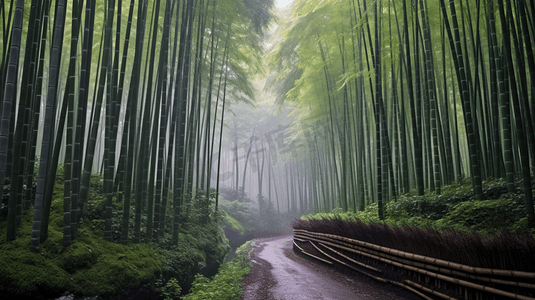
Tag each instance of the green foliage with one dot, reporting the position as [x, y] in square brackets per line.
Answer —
[367, 216]
[233, 223]
[240, 211]
[226, 284]
[485, 216]
[119, 269]
[170, 289]
[94, 266]
[454, 209]
[26, 274]
[91, 266]
[418, 206]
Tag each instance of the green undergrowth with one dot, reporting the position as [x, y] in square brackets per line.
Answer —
[93, 266]
[234, 224]
[226, 284]
[454, 209]
[245, 219]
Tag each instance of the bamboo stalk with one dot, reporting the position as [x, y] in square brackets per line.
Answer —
[412, 290]
[442, 277]
[441, 270]
[352, 260]
[350, 266]
[467, 283]
[300, 249]
[428, 290]
[427, 259]
[459, 273]
[374, 277]
[312, 255]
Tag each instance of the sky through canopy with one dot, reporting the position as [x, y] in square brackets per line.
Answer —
[283, 3]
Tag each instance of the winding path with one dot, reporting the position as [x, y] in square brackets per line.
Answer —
[279, 273]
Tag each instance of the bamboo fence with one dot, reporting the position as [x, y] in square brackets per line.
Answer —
[436, 278]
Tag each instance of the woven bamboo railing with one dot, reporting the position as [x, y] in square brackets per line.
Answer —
[452, 280]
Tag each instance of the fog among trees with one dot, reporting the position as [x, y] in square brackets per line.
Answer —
[317, 106]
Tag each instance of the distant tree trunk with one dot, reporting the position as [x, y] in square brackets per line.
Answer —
[251, 139]
[221, 130]
[236, 154]
[261, 201]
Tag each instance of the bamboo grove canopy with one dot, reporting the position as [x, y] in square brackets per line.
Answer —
[148, 78]
[398, 95]
[389, 96]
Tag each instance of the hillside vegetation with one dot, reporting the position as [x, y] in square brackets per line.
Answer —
[454, 209]
[453, 226]
[93, 266]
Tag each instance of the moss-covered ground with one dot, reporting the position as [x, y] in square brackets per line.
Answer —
[93, 266]
[156, 270]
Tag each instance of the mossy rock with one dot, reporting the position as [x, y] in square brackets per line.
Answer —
[117, 269]
[79, 256]
[90, 266]
[29, 275]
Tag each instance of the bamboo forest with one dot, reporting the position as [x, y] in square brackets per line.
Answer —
[156, 149]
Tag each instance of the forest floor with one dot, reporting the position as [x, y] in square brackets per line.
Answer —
[279, 273]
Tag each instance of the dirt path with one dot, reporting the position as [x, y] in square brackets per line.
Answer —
[279, 273]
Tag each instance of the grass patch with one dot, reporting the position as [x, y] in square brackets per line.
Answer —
[226, 284]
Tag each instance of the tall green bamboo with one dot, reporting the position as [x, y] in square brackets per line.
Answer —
[24, 106]
[67, 176]
[55, 55]
[131, 122]
[462, 79]
[81, 113]
[7, 103]
[521, 136]
[182, 96]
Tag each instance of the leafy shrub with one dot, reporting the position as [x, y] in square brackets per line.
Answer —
[455, 209]
[226, 284]
[234, 195]
[234, 224]
[368, 215]
[417, 206]
[483, 216]
[170, 289]
[240, 211]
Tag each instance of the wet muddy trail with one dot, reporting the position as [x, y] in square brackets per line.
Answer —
[280, 273]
